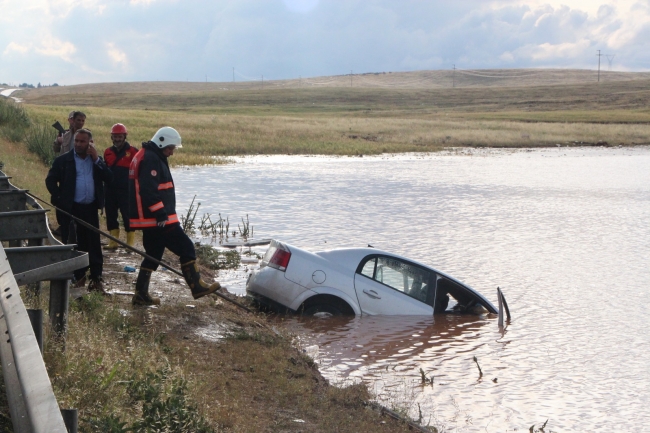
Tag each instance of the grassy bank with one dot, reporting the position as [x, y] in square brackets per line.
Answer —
[25, 168]
[219, 134]
[125, 368]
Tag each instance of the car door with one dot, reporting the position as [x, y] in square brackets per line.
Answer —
[391, 286]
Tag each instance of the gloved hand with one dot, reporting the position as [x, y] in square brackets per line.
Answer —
[161, 224]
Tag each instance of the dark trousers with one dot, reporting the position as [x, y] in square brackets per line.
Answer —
[66, 226]
[87, 240]
[172, 237]
[117, 200]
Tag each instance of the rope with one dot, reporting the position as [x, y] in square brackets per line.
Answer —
[142, 253]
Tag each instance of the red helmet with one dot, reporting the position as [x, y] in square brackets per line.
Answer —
[118, 128]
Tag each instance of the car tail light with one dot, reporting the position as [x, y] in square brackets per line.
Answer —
[280, 257]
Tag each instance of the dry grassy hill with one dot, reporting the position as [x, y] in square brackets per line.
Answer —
[388, 93]
[379, 113]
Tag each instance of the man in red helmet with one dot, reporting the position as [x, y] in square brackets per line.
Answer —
[118, 157]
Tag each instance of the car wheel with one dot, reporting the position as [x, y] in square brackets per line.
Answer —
[322, 310]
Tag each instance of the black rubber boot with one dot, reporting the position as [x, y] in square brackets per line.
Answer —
[193, 278]
[142, 296]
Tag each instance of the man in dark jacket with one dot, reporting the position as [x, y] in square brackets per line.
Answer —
[76, 184]
[152, 207]
[118, 157]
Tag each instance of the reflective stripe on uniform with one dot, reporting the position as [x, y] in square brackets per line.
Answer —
[138, 199]
[167, 185]
[157, 206]
[151, 222]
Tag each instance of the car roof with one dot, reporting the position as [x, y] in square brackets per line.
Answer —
[354, 255]
[351, 257]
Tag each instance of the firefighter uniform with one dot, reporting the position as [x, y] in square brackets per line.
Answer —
[152, 209]
[117, 192]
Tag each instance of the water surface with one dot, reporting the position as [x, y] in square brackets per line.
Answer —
[564, 232]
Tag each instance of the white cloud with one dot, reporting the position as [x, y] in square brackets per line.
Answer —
[65, 7]
[507, 57]
[635, 21]
[565, 50]
[540, 20]
[116, 55]
[51, 46]
[20, 48]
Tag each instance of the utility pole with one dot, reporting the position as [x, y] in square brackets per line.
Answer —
[610, 58]
[453, 77]
[599, 56]
[350, 77]
[206, 78]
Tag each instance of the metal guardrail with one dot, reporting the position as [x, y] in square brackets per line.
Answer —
[32, 404]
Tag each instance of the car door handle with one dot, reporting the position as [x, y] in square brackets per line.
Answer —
[371, 293]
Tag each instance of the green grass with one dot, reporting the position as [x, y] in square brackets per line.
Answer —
[14, 120]
[146, 369]
[206, 136]
[26, 169]
[38, 138]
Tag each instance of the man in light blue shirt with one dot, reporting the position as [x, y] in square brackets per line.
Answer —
[76, 184]
[84, 193]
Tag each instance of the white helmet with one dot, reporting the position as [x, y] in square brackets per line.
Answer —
[167, 136]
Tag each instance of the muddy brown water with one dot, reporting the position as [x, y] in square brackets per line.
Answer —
[564, 232]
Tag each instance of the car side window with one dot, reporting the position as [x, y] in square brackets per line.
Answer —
[405, 277]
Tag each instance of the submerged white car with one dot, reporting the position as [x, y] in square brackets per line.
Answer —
[357, 281]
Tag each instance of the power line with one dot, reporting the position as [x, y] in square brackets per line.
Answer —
[483, 75]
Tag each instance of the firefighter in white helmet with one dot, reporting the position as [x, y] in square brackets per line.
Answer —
[152, 209]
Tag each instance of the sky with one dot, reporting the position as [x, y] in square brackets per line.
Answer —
[89, 41]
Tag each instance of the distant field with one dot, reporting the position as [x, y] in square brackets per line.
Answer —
[385, 112]
[631, 91]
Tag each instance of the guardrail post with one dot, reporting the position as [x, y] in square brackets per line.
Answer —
[70, 419]
[35, 288]
[59, 297]
[36, 319]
